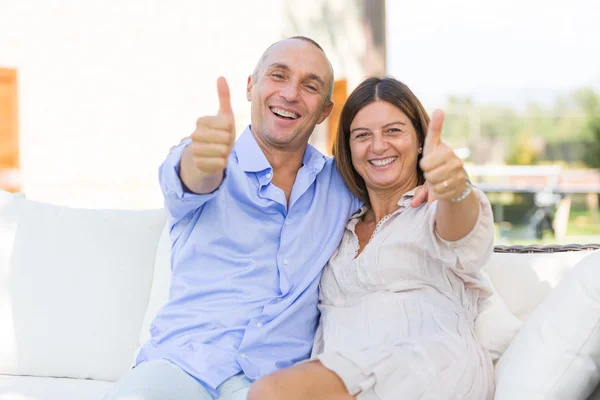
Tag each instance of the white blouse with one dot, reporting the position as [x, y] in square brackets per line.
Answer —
[397, 321]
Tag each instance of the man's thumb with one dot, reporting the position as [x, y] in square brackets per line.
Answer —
[224, 98]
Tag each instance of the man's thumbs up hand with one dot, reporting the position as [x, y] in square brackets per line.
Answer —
[224, 98]
[213, 139]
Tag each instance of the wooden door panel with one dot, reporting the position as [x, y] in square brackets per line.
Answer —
[9, 138]
[340, 93]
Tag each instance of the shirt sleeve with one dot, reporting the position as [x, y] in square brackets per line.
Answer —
[469, 254]
[179, 203]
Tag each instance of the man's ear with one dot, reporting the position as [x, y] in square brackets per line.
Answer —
[249, 86]
[326, 111]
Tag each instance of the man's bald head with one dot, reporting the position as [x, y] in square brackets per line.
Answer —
[260, 63]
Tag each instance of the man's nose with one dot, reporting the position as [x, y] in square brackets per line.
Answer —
[289, 92]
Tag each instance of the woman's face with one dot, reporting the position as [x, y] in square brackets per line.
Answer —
[384, 147]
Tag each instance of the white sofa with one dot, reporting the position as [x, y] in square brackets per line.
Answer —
[78, 289]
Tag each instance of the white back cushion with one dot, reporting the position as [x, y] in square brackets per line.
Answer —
[525, 280]
[161, 282]
[74, 285]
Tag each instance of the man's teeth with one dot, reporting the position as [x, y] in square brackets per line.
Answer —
[381, 163]
[284, 113]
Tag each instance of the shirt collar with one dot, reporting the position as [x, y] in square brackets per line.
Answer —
[252, 159]
[406, 198]
[313, 158]
[249, 154]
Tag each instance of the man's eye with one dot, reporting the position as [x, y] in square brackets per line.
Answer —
[278, 76]
[312, 88]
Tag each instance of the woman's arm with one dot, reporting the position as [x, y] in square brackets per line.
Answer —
[454, 220]
[455, 216]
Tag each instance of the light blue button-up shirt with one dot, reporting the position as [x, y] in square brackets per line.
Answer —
[246, 266]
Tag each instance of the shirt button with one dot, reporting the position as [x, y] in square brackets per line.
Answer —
[243, 355]
[285, 262]
[287, 223]
[268, 176]
[278, 299]
[258, 324]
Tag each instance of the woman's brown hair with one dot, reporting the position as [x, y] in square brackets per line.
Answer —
[369, 91]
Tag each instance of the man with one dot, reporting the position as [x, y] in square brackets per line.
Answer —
[252, 225]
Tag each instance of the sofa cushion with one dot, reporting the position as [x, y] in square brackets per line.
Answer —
[159, 294]
[556, 354]
[35, 388]
[496, 326]
[524, 280]
[74, 285]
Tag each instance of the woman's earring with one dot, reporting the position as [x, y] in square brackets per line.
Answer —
[420, 150]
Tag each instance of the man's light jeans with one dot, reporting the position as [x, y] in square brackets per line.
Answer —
[162, 380]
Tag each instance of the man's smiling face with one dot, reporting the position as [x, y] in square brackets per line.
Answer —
[289, 93]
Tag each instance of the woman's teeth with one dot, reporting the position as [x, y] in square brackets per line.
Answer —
[381, 163]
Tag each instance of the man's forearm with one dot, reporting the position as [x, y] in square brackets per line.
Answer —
[195, 180]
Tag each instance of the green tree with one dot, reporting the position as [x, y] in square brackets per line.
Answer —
[523, 151]
[568, 130]
[593, 155]
[589, 101]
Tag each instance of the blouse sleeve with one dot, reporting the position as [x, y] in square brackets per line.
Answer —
[469, 254]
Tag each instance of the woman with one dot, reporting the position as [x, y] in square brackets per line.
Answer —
[399, 297]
